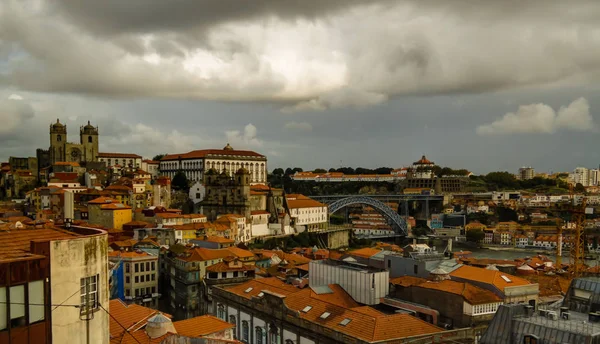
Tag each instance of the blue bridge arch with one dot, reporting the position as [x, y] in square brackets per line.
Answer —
[394, 219]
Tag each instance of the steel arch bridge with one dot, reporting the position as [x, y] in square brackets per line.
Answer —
[394, 219]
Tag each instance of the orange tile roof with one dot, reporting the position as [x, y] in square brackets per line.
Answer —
[259, 212]
[20, 240]
[492, 277]
[132, 317]
[366, 252]
[103, 200]
[339, 297]
[224, 267]
[202, 254]
[114, 206]
[201, 326]
[219, 240]
[363, 324]
[271, 284]
[407, 281]
[295, 201]
[470, 293]
[197, 154]
[67, 163]
[241, 253]
[118, 155]
[130, 254]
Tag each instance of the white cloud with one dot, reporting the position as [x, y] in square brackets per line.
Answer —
[541, 118]
[15, 97]
[299, 126]
[245, 139]
[312, 62]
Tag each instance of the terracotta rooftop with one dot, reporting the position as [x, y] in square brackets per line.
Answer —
[130, 254]
[224, 267]
[271, 284]
[128, 318]
[103, 200]
[114, 206]
[197, 154]
[219, 240]
[66, 163]
[358, 324]
[119, 155]
[201, 326]
[366, 252]
[295, 201]
[470, 293]
[20, 240]
[492, 277]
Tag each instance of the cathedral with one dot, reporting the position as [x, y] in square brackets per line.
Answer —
[63, 151]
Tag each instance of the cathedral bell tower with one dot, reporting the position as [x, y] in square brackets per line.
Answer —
[88, 136]
[58, 138]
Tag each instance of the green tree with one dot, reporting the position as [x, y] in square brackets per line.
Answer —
[503, 180]
[158, 157]
[320, 170]
[579, 188]
[278, 172]
[180, 182]
[475, 235]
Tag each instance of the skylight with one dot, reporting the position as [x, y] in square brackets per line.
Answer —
[506, 278]
[345, 322]
[306, 309]
[325, 315]
[248, 290]
[261, 294]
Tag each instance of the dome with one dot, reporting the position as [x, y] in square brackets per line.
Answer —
[159, 325]
[228, 147]
[423, 161]
[57, 124]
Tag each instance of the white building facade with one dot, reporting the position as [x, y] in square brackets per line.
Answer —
[195, 163]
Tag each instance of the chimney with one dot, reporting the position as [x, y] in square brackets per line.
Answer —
[69, 207]
[449, 245]
[563, 310]
[528, 310]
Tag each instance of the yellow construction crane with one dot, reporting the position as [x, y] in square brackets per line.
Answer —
[577, 239]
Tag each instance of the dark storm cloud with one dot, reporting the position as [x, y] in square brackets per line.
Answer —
[113, 17]
[305, 55]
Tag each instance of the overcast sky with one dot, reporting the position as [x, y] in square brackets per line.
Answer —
[482, 85]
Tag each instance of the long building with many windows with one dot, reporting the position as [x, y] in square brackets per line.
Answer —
[195, 163]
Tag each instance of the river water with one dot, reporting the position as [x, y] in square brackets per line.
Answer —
[513, 254]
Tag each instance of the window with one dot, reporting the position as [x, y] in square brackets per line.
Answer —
[89, 139]
[248, 290]
[261, 294]
[137, 279]
[153, 277]
[127, 292]
[58, 138]
[245, 330]
[235, 274]
[232, 319]
[89, 294]
[153, 266]
[137, 267]
[147, 266]
[142, 267]
[530, 339]
[223, 274]
[221, 311]
[259, 335]
[127, 279]
[127, 267]
[416, 269]
[389, 263]
[325, 315]
[36, 299]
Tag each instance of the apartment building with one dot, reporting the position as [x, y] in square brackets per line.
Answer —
[139, 282]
